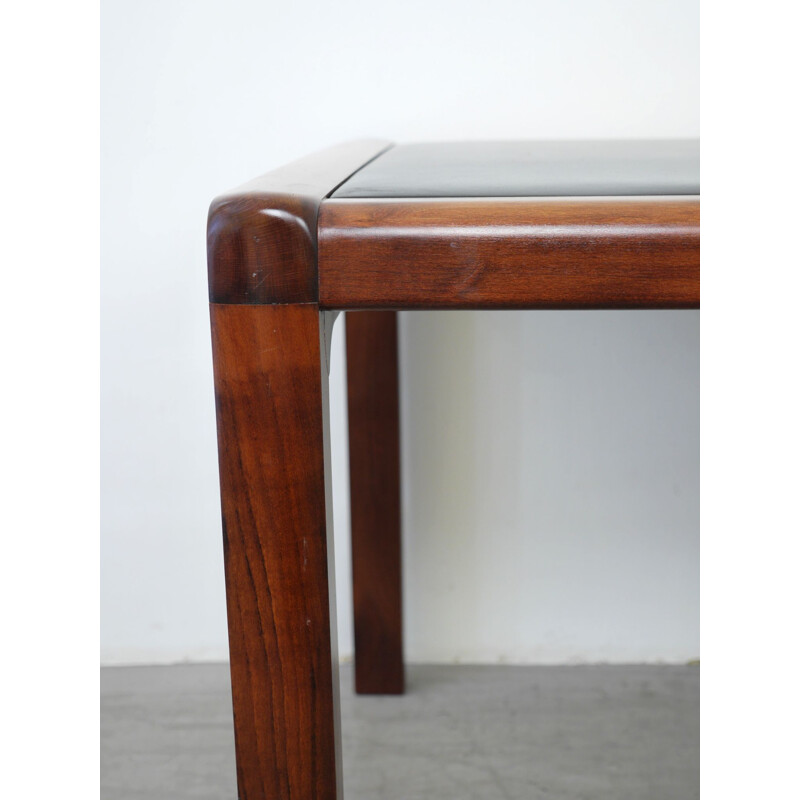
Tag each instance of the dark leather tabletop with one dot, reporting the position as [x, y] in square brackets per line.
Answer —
[530, 169]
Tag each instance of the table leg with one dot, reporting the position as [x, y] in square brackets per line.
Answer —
[271, 388]
[372, 389]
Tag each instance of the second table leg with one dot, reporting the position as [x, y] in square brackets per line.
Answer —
[373, 408]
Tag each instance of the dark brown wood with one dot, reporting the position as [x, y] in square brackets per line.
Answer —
[280, 250]
[510, 253]
[262, 236]
[372, 394]
[530, 169]
[271, 421]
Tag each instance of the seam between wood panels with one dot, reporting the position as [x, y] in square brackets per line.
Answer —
[266, 305]
[354, 172]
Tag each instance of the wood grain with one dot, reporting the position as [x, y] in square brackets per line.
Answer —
[271, 423]
[262, 236]
[373, 409]
[510, 253]
[278, 253]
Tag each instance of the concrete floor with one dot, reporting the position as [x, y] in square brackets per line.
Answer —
[461, 732]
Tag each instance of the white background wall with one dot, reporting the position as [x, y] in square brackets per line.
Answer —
[550, 459]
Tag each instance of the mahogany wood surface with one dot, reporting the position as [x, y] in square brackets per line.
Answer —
[510, 253]
[271, 421]
[280, 252]
[373, 413]
[262, 237]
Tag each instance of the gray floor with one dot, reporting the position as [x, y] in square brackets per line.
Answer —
[503, 732]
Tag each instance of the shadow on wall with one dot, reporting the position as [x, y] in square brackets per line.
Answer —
[551, 486]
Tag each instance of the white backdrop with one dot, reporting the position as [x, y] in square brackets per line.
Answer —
[550, 459]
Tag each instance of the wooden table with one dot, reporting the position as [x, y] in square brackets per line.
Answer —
[373, 228]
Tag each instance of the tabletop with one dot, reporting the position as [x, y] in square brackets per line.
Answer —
[530, 169]
[571, 224]
[542, 224]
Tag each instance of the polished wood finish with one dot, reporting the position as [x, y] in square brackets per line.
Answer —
[373, 413]
[510, 253]
[530, 169]
[262, 237]
[281, 251]
[271, 392]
